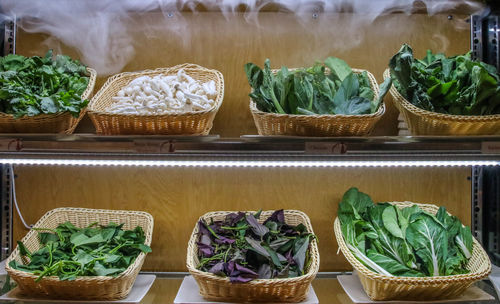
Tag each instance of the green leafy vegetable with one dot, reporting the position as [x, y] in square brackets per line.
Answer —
[403, 242]
[428, 238]
[452, 85]
[41, 85]
[242, 248]
[309, 91]
[69, 252]
[7, 286]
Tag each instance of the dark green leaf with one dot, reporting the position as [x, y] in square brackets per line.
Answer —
[46, 237]
[7, 286]
[339, 69]
[427, 236]
[384, 88]
[391, 265]
[100, 270]
[300, 253]
[23, 250]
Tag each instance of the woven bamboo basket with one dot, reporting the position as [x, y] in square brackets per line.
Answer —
[382, 288]
[85, 287]
[317, 125]
[62, 122]
[423, 122]
[216, 288]
[189, 123]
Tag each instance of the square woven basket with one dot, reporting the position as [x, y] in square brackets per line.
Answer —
[62, 122]
[84, 287]
[189, 123]
[216, 288]
[423, 122]
[383, 288]
[318, 125]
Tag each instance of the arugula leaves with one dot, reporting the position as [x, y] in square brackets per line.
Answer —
[41, 85]
[309, 91]
[452, 85]
[69, 252]
[243, 249]
[403, 242]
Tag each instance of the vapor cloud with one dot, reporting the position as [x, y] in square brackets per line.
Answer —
[100, 29]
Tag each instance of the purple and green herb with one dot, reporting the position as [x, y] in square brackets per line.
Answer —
[243, 249]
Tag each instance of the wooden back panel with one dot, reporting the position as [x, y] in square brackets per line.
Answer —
[227, 43]
[176, 197]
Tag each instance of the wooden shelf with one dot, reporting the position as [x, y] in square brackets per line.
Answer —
[249, 148]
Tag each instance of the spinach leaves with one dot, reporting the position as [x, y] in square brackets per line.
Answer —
[452, 85]
[243, 249]
[41, 85]
[309, 91]
[403, 242]
[69, 252]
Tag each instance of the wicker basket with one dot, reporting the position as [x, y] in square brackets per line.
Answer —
[317, 125]
[88, 287]
[216, 288]
[189, 123]
[381, 287]
[423, 122]
[62, 122]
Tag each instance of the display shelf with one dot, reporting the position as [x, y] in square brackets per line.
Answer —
[326, 287]
[248, 148]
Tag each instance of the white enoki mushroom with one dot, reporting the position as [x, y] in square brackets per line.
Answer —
[164, 94]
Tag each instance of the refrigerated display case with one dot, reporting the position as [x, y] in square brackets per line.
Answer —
[179, 178]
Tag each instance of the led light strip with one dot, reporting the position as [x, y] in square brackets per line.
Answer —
[247, 163]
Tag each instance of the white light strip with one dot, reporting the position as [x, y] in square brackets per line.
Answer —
[247, 163]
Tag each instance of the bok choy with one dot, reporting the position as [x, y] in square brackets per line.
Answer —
[403, 242]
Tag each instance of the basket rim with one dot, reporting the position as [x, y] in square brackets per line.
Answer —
[380, 111]
[85, 95]
[166, 71]
[127, 272]
[363, 270]
[313, 269]
[442, 116]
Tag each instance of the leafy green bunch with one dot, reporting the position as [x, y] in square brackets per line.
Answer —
[41, 85]
[453, 85]
[69, 252]
[405, 242]
[313, 90]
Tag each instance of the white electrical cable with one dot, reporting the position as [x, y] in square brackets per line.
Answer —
[14, 198]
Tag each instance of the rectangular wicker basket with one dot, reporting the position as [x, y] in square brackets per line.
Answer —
[216, 288]
[317, 125]
[62, 122]
[85, 287]
[189, 123]
[383, 288]
[423, 122]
